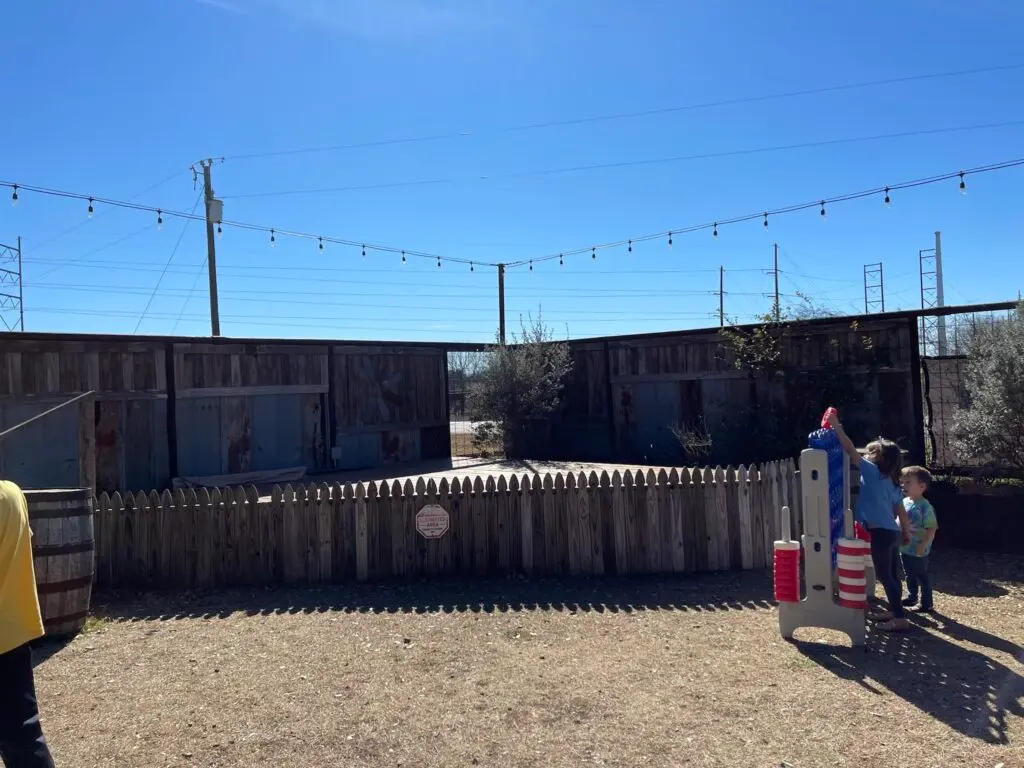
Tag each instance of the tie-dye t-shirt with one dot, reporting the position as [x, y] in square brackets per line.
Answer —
[922, 517]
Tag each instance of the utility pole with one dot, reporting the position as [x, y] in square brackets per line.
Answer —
[777, 310]
[21, 291]
[501, 304]
[214, 215]
[721, 297]
[940, 294]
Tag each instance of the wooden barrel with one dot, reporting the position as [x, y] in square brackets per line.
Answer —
[63, 551]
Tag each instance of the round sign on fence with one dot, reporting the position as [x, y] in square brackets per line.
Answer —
[432, 521]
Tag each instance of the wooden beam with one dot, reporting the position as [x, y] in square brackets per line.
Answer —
[284, 389]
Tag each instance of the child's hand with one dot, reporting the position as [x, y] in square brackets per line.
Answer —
[906, 536]
[833, 420]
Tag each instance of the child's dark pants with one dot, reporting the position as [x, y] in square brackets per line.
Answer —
[21, 737]
[918, 579]
[885, 555]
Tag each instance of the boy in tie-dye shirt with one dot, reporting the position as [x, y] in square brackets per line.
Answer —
[923, 525]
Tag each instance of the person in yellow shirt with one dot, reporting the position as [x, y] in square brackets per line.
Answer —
[22, 744]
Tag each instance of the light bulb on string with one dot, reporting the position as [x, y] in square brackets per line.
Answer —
[823, 209]
[531, 265]
[320, 244]
[766, 220]
[471, 267]
[630, 247]
[14, 195]
[669, 239]
[438, 262]
[593, 253]
[714, 232]
[364, 251]
[273, 239]
[888, 202]
[561, 263]
[159, 219]
[220, 232]
[963, 184]
[403, 257]
[91, 211]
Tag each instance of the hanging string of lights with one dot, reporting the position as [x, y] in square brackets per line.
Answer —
[764, 215]
[17, 191]
[405, 253]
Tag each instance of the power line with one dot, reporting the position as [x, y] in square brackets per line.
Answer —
[170, 258]
[628, 115]
[766, 214]
[111, 244]
[643, 162]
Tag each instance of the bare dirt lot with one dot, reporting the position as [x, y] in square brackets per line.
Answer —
[668, 672]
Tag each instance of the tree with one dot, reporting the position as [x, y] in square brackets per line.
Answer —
[991, 425]
[521, 386]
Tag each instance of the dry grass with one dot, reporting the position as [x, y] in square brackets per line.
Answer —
[669, 672]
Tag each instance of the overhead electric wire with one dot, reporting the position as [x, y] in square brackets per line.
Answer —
[170, 258]
[629, 115]
[767, 213]
[642, 162]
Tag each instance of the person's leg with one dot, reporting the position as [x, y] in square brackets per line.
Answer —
[884, 554]
[925, 578]
[22, 744]
[910, 567]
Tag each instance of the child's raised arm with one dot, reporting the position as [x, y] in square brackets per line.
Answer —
[844, 439]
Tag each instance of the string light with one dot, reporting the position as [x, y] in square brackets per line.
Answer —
[272, 238]
[320, 245]
[364, 251]
[630, 247]
[669, 239]
[593, 253]
[888, 202]
[823, 209]
[90, 208]
[403, 257]
[714, 232]
[471, 267]
[963, 184]
[220, 231]
[531, 265]
[561, 262]
[160, 219]
[766, 220]
[438, 262]
[14, 195]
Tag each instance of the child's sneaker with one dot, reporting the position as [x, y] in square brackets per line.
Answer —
[909, 602]
[924, 609]
[880, 616]
[895, 625]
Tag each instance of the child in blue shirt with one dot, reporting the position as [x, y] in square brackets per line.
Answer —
[923, 526]
[880, 510]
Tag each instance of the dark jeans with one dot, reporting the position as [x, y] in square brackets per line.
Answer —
[21, 737]
[918, 579]
[885, 555]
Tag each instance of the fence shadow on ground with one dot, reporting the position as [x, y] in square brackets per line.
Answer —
[967, 690]
[975, 574]
[737, 591]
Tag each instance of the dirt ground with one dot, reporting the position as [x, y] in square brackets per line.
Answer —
[667, 672]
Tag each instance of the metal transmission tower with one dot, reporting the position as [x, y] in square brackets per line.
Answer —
[874, 288]
[12, 311]
[933, 329]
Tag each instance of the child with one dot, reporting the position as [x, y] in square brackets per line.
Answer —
[21, 737]
[923, 525]
[879, 507]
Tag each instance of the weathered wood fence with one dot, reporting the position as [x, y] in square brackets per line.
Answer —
[676, 521]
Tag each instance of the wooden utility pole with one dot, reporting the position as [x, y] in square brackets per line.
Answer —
[213, 215]
[501, 304]
[777, 309]
[721, 297]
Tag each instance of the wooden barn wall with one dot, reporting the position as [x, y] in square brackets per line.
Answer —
[626, 395]
[389, 405]
[166, 408]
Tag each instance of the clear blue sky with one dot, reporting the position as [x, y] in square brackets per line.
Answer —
[110, 97]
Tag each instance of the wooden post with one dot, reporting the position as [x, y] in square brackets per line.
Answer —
[87, 444]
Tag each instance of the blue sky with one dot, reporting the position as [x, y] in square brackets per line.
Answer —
[112, 97]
